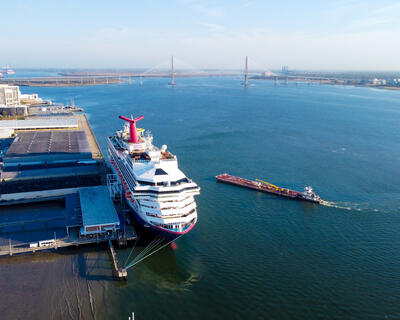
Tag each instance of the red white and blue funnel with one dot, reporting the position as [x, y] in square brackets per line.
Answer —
[133, 137]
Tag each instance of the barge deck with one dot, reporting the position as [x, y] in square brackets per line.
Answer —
[259, 185]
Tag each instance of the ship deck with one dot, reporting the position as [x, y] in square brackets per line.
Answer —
[268, 188]
[226, 178]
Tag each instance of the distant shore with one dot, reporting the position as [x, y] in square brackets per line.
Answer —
[341, 82]
[59, 81]
[79, 78]
[145, 75]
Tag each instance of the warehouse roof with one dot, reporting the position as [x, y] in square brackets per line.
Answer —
[97, 207]
[45, 123]
[48, 142]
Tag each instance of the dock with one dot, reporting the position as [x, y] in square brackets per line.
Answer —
[121, 273]
[65, 218]
[54, 190]
[72, 240]
[83, 124]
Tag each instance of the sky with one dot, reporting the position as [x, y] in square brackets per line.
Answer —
[305, 35]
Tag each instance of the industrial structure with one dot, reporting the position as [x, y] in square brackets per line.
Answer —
[53, 191]
[62, 152]
[13, 103]
[47, 148]
[9, 95]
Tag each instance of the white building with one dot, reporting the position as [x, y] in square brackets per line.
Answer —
[378, 82]
[9, 95]
[31, 97]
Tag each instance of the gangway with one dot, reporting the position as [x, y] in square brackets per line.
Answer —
[114, 187]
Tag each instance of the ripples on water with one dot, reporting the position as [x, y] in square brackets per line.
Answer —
[252, 255]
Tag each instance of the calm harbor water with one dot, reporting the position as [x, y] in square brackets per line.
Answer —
[252, 255]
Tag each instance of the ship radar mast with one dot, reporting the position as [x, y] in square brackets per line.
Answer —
[133, 137]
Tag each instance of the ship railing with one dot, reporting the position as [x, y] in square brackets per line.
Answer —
[171, 211]
[169, 159]
[140, 161]
[171, 216]
[177, 206]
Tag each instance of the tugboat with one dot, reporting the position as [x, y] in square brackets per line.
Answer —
[309, 195]
[160, 195]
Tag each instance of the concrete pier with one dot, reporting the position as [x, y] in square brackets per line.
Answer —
[71, 240]
[121, 273]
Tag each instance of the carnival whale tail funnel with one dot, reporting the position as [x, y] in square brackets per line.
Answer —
[133, 137]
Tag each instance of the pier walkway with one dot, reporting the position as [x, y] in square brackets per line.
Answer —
[121, 273]
[83, 124]
[72, 240]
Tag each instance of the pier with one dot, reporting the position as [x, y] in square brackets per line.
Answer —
[120, 273]
[72, 240]
[53, 191]
[83, 124]
[36, 221]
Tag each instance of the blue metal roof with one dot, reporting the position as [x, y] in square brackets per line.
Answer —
[97, 206]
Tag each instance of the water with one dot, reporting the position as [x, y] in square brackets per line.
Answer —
[27, 73]
[252, 255]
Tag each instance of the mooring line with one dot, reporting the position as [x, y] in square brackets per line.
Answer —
[148, 249]
[127, 259]
[153, 252]
[144, 251]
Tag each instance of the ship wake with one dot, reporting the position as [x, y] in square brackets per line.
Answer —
[346, 206]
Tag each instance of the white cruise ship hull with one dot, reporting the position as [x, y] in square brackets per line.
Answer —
[142, 212]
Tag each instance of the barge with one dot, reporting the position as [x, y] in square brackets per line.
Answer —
[263, 186]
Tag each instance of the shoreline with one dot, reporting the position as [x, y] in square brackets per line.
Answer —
[60, 82]
[328, 82]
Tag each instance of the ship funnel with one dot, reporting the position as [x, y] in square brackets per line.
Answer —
[132, 128]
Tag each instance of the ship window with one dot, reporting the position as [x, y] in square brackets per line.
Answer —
[178, 182]
[145, 183]
[160, 172]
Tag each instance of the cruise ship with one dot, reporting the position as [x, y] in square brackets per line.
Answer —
[161, 196]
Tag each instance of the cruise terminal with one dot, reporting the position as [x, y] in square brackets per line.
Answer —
[54, 184]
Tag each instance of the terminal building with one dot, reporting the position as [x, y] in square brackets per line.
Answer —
[98, 211]
[47, 149]
[53, 189]
[48, 153]
[8, 127]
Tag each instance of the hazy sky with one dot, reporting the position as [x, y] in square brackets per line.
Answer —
[335, 34]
